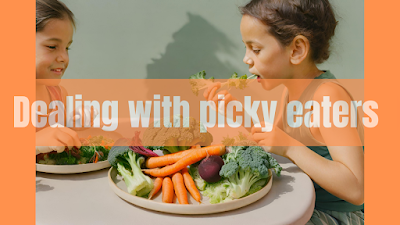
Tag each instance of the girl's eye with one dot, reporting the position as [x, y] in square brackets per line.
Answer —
[51, 47]
[256, 51]
[68, 48]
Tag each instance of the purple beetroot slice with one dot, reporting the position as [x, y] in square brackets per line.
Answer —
[143, 151]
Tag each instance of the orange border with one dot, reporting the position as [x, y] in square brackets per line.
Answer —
[17, 69]
[381, 55]
[381, 154]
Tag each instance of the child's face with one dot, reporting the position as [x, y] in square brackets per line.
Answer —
[264, 54]
[52, 45]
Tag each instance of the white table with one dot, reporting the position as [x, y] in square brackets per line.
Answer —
[87, 199]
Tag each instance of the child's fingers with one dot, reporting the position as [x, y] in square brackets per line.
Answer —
[255, 129]
[213, 86]
[68, 137]
[257, 137]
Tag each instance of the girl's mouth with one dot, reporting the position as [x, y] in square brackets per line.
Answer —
[258, 78]
[57, 71]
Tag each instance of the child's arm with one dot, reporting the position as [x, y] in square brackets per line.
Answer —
[55, 139]
[67, 117]
[343, 176]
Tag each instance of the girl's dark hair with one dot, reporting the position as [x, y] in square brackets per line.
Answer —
[51, 9]
[286, 19]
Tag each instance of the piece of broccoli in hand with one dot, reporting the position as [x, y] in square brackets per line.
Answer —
[198, 81]
[128, 164]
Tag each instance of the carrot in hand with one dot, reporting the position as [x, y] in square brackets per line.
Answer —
[157, 186]
[167, 190]
[194, 156]
[190, 185]
[179, 188]
[154, 162]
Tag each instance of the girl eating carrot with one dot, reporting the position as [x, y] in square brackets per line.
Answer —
[287, 40]
[54, 31]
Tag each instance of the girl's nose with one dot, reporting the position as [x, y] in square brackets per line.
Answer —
[63, 56]
[248, 60]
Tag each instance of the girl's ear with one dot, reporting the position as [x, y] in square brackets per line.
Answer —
[300, 47]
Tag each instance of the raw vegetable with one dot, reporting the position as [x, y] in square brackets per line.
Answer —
[94, 149]
[157, 186]
[209, 168]
[167, 190]
[135, 144]
[194, 156]
[244, 167]
[190, 185]
[173, 139]
[199, 82]
[179, 188]
[128, 164]
[154, 162]
[194, 172]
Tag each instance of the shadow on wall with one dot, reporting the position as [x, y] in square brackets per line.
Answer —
[194, 49]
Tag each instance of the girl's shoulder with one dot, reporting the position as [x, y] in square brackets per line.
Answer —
[57, 93]
[331, 91]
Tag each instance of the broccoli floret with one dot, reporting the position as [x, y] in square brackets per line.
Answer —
[63, 158]
[198, 81]
[46, 160]
[128, 164]
[244, 167]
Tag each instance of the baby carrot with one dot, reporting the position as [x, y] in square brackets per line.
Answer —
[154, 162]
[157, 185]
[190, 185]
[179, 188]
[194, 156]
[167, 190]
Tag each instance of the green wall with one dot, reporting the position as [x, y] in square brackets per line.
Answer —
[176, 38]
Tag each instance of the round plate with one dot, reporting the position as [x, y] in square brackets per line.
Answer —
[69, 169]
[81, 168]
[118, 186]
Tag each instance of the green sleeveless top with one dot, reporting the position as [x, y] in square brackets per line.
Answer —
[324, 199]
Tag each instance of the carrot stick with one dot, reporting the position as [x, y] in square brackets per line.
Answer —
[174, 198]
[154, 162]
[179, 188]
[194, 156]
[190, 185]
[96, 159]
[157, 186]
[167, 190]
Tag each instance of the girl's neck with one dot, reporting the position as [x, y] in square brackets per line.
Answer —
[301, 79]
[42, 94]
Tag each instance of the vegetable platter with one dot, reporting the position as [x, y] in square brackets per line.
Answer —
[92, 156]
[205, 207]
[199, 180]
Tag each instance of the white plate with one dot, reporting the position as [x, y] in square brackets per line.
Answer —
[118, 186]
[70, 169]
[80, 168]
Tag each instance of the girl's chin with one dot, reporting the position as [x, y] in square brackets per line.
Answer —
[269, 84]
[48, 82]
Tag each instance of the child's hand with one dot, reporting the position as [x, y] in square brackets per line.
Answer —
[85, 117]
[276, 141]
[211, 95]
[55, 139]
